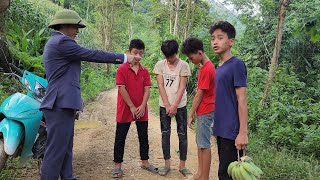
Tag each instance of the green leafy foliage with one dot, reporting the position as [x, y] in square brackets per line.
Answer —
[29, 42]
[282, 163]
[94, 80]
[290, 120]
[283, 133]
[3, 88]
[31, 14]
[309, 20]
[8, 86]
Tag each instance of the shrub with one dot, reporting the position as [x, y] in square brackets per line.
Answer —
[283, 163]
[291, 120]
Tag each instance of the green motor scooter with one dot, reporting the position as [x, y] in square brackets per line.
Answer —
[22, 126]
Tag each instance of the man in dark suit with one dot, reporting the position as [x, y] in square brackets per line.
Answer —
[62, 61]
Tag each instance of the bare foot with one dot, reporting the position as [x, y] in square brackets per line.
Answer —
[145, 163]
[196, 177]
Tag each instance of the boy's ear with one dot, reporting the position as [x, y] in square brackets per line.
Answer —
[231, 41]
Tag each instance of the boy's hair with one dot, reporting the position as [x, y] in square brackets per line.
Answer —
[136, 43]
[226, 27]
[191, 46]
[169, 48]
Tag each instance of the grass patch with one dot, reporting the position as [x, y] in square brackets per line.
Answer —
[153, 102]
[11, 170]
[282, 163]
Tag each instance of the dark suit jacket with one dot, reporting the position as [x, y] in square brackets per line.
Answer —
[62, 61]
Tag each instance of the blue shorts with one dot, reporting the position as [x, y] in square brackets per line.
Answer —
[204, 123]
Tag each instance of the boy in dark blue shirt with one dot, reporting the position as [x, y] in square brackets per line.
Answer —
[231, 116]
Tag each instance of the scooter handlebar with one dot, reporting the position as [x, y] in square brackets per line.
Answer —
[18, 70]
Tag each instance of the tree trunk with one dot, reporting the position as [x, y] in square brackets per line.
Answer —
[4, 4]
[130, 30]
[87, 11]
[103, 29]
[111, 20]
[104, 32]
[176, 21]
[130, 27]
[274, 60]
[110, 31]
[188, 22]
[171, 16]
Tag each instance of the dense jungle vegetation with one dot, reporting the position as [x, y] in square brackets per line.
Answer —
[284, 128]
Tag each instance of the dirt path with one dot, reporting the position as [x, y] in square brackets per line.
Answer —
[94, 140]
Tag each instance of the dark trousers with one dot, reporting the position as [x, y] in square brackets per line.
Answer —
[120, 140]
[227, 152]
[165, 120]
[58, 154]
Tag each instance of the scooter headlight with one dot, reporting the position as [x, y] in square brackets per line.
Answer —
[39, 91]
[27, 84]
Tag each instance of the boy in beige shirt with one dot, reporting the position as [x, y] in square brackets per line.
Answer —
[172, 75]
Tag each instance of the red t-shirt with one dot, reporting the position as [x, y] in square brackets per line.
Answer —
[206, 82]
[135, 84]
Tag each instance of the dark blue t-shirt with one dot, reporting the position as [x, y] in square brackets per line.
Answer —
[229, 76]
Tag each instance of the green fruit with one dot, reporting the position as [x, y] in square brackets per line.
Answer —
[234, 173]
[249, 167]
[257, 168]
[243, 173]
[231, 166]
[253, 177]
[237, 172]
[246, 159]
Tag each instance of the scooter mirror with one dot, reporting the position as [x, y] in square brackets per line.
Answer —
[31, 69]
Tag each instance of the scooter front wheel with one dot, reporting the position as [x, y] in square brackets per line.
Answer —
[3, 155]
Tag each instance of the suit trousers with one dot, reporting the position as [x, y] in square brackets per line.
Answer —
[58, 154]
[120, 139]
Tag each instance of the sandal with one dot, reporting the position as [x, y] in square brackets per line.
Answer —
[150, 168]
[185, 172]
[163, 171]
[117, 173]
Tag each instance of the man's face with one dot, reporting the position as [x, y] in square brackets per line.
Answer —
[137, 52]
[196, 58]
[220, 42]
[71, 30]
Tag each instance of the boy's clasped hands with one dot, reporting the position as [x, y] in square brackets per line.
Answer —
[138, 112]
[171, 110]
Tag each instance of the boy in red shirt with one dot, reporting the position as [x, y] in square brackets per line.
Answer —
[202, 105]
[134, 84]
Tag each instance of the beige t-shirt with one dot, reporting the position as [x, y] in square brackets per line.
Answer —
[171, 80]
